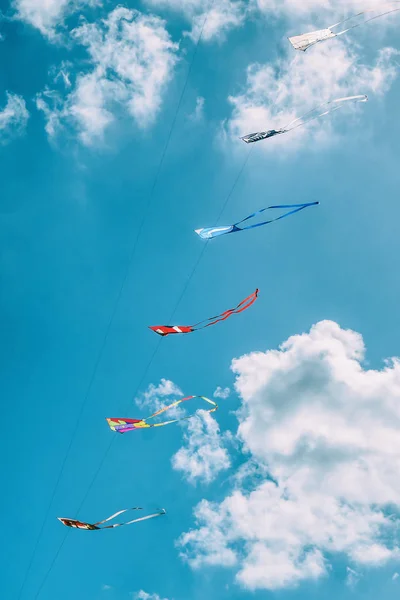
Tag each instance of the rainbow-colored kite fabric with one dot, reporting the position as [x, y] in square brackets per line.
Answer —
[124, 425]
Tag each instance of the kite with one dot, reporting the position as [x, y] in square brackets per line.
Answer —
[95, 526]
[315, 113]
[208, 233]
[304, 41]
[170, 329]
[124, 425]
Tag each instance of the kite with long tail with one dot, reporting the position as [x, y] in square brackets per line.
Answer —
[170, 329]
[305, 40]
[95, 526]
[319, 111]
[208, 233]
[124, 425]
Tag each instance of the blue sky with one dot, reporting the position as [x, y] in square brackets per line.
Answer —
[290, 490]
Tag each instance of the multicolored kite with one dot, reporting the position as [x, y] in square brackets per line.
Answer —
[208, 233]
[319, 111]
[95, 526]
[170, 329]
[124, 425]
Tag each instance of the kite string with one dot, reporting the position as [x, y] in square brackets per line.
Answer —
[366, 21]
[230, 193]
[189, 279]
[108, 329]
[304, 120]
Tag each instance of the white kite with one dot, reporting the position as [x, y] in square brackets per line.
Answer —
[304, 41]
[319, 111]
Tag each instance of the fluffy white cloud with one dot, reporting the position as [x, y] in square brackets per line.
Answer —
[327, 430]
[215, 18]
[222, 393]
[154, 397]
[204, 454]
[13, 117]
[45, 15]
[145, 596]
[132, 60]
[274, 95]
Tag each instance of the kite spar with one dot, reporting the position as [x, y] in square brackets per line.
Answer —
[304, 41]
[319, 111]
[95, 526]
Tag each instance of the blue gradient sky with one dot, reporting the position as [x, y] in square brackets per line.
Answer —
[69, 217]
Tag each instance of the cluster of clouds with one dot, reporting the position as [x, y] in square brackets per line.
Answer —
[48, 15]
[131, 58]
[321, 433]
[319, 437]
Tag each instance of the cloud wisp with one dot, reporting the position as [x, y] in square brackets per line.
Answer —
[13, 118]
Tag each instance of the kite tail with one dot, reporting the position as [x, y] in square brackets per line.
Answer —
[243, 305]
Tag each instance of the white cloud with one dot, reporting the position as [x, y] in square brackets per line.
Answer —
[395, 576]
[154, 397]
[275, 95]
[45, 15]
[13, 118]
[295, 9]
[132, 60]
[204, 454]
[145, 596]
[198, 113]
[214, 17]
[327, 430]
[222, 393]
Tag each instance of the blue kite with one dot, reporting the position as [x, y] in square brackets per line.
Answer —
[208, 233]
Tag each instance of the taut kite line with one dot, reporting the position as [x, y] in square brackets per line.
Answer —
[315, 113]
[170, 329]
[124, 425]
[304, 41]
[208, 233]
[95, 526]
